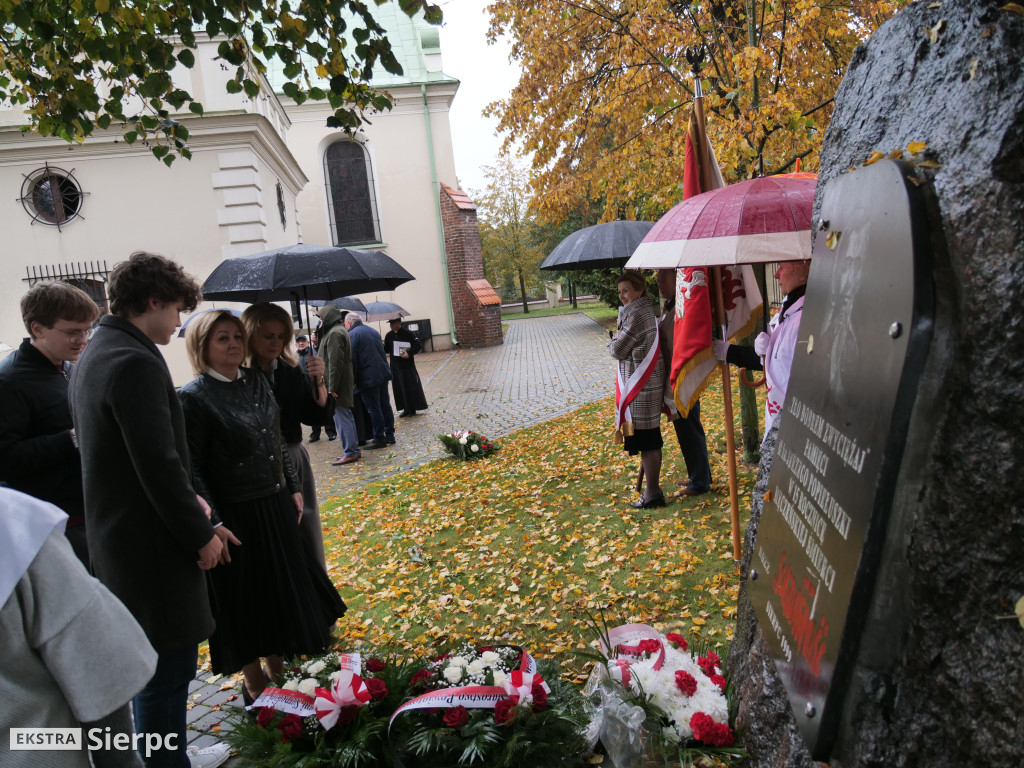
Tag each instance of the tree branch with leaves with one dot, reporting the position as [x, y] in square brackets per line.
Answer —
[76, 65]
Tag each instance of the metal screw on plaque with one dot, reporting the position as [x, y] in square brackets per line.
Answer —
[809, 710]
[753, 575]
[895, 330]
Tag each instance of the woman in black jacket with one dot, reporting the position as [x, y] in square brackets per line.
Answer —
[269, 597]
[302, 397]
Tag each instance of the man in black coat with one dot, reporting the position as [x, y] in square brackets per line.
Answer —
[38, 449]
[402, 346]
[150, 537]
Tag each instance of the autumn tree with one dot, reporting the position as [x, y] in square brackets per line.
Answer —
[75, 65]
[508, 233]
[605, 93]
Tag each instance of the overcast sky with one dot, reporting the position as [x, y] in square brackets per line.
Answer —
[485, 75]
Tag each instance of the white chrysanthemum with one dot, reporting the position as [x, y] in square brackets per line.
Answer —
[453, 673]
[334, 675]
[291, 685]
[308, 686]
[315, 667]
[490, 658]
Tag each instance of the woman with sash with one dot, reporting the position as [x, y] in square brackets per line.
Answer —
[639, 389]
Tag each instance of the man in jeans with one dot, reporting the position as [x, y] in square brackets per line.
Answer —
[150, 536]
[372, 374]
[336, 350]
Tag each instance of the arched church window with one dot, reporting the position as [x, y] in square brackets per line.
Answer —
[350, 194]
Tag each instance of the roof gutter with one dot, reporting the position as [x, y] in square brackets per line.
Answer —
[437, 210]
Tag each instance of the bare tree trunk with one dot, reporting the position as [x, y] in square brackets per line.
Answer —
[572, 293]
[522, 292]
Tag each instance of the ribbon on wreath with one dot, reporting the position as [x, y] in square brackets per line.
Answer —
[348, 690]
[518, 686]
[649, 642]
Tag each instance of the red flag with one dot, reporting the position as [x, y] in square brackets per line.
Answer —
[692, 360]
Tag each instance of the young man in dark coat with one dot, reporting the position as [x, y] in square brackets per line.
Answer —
[408, 390]
[38, 448]
[150, 536]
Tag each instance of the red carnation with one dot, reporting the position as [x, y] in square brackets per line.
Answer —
[456, 717]
[709, 663]
[290, 727]
[347, 714]
[686, 683]
[378, 690]
[375, 665]
[678, 640]
[264, 716]
[719, 681]
[649, 646]
[421, 678]
[711, 733]
[540, 697]
[504, 711]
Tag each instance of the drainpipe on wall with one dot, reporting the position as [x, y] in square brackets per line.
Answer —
[437, 210]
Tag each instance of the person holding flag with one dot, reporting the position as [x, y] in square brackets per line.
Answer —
[776, 347]
[640, 385]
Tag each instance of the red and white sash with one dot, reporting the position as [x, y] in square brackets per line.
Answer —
[627, 391]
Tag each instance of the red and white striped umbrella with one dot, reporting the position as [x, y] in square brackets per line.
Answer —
[766, 219]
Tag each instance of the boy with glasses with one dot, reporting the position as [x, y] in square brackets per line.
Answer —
[38, 447]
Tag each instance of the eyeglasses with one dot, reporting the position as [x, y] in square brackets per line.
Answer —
[76, 335]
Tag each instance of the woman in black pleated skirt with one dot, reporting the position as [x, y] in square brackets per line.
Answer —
[270, 597]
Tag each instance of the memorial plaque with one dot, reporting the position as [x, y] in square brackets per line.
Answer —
[864, 335]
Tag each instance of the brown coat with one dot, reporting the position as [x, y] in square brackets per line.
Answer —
[638, 332]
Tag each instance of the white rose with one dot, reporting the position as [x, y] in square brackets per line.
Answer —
[474, 448]
[291, 685]
[490, 658]
[458, 661]
[463, 440]
[453, 673]
[499, 677]
[308, 686]
[316, 667]
[475, 667]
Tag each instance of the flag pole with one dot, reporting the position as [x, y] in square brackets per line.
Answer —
[716, 280]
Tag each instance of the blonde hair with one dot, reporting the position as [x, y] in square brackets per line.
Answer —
[258, 314]
[197, 337]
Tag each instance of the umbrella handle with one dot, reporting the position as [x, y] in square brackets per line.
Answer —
[750, 384]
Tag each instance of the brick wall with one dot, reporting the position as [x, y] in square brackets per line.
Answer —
[476, 325]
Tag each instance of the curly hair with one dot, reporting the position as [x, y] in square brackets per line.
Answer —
[197, 337]
[258, 314]
[46, 303]
[146, 276]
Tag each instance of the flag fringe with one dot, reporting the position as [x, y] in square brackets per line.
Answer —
[698, 359]
[747, 328]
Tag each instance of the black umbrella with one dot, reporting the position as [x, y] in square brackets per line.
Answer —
[598, 247]
[303, 272]
[351, 303]
[184, 326]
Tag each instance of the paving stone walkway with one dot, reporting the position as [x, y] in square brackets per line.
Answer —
[546, 367]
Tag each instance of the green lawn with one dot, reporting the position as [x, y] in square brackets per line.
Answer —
[523, 546]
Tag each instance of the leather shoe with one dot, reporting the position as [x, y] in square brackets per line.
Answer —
[332, 437]
[391, 441]
[657, 501]
[373, 445]
[403, 414]
[689, 490]
[314, 438]
[344, 460]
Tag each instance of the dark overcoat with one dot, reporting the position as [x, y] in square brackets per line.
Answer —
[145, 524]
